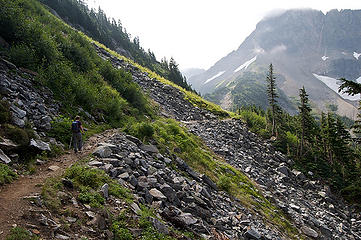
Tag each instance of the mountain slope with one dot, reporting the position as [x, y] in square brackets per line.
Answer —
[300, 44]
[111, 33]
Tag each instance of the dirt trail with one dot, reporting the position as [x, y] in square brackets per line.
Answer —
[12, 203]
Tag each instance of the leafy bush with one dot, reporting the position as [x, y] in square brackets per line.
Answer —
[16, 134]
[91, 197]
[19, 233]
[254, 121]
[352, 193]
[87, 178]
[6, 174]
[61, 129]
[224, 183]
[5, 114]
[23, 55]
[120, 232]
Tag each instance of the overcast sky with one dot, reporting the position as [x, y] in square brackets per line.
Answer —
[197, 33]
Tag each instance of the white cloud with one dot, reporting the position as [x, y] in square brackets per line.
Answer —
[198, 33]
[278, 49]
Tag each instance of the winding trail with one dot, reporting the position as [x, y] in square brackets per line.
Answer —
[12, 203]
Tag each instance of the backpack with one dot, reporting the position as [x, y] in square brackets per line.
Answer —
[75, 127]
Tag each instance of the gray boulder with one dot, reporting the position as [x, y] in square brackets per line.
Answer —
[102, 152]
[149, 148]
[39, 145]
[3, 158]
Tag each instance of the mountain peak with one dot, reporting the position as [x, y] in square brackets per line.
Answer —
[300, 43]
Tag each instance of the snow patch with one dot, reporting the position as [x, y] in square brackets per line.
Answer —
[358, 80]
[246, 64]
[324, 58]
[334, 85]
[258, 50]
[356, 55]
[214, 77]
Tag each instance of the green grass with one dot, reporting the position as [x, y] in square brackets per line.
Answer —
[87, 182]
[7, 175]
[18, 233]
[193, 98]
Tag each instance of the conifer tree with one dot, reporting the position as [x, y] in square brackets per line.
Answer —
[272, 98]
[352, 88]
[305, 119]
[343, 137]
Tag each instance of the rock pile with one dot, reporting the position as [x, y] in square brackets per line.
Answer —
[29, 101]
[189, 201]
[311, 205]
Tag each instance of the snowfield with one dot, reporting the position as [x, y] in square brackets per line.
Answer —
[324, 58]
[214, 77]
[356, 55]
[246, 64]
[334, 85]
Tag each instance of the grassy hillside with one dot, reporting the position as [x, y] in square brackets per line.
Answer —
[112, 34]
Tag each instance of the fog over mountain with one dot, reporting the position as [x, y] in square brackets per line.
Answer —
[307, 48]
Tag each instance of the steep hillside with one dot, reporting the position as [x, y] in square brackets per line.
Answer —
[112, 34]
[307, 48]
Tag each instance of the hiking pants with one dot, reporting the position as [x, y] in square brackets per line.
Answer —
[77, 141]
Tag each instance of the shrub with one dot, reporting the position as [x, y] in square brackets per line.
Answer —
[5, 114]
[19, 233]
[120, 232]
[23, 55]
[352, 193]
[224, 183]
[16, 134]
[61, 129]
[6, 174]
[254, 121]
[145, 130]
[91, 197]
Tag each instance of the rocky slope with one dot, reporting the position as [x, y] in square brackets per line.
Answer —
[181, 197]
[311, 205]
[307, 48]
[31, 106]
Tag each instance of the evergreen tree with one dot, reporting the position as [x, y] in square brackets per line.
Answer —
[305, 118]
[352, 88]
[272, 98]
[343, 137]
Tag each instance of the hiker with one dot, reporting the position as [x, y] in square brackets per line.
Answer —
[77, 130]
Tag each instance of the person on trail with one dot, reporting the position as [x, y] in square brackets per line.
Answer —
[77, 130]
